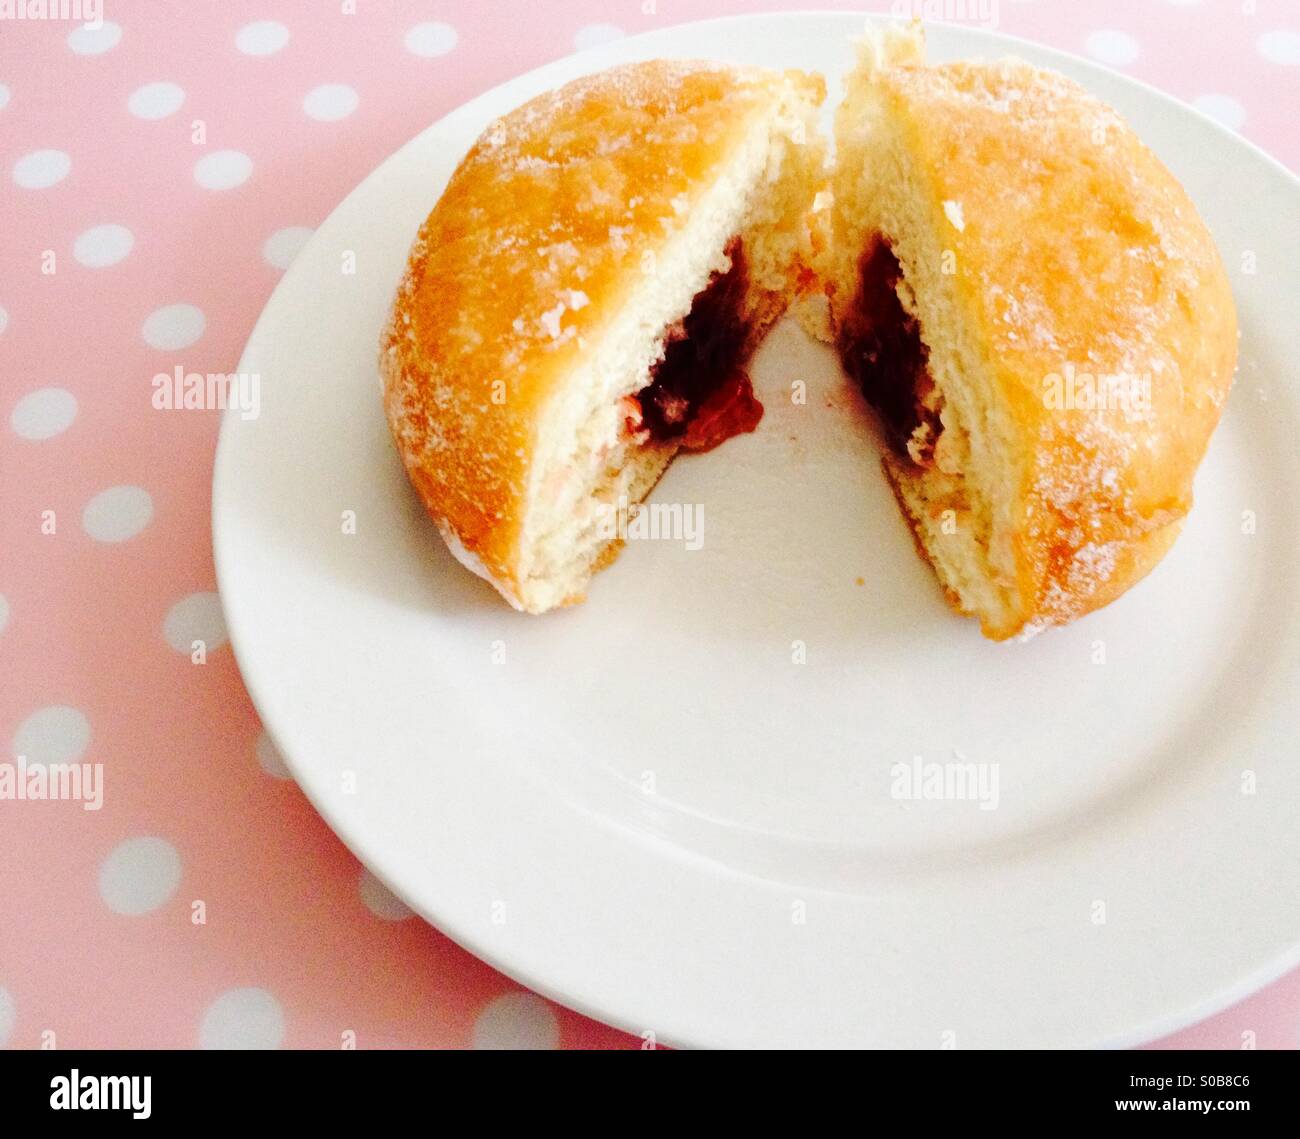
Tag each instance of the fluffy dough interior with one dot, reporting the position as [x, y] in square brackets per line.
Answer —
[899, 333]
[725, 278]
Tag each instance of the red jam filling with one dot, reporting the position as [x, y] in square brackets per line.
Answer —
[881, 349]
[699, 393]
[732, 409]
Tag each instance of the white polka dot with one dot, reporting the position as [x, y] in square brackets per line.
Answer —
[8, 1016]
[264, 37]
[515, 1021]
[4, 96]
[197, 617]
[1114, 48]
[54, 734]
[1222, 109]
[1280, 46]
[285, 244]
[139, 875]
[242, 1018]
[155, 100]
[431, 39]
[223, 170]
[44, 413]
[4, 318]
[116, 514]
[595, 34]
[88, 40]
[330, 102]
[380, 900]
[41, 169]
[173, 326]
[4, 612]
[103, 245]
[269, 758]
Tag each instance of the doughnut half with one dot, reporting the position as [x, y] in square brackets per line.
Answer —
[1040, 318]
[579, 303]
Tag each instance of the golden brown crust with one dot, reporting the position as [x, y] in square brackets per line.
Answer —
[1076, 253]
[535, 245]
[1134, 559]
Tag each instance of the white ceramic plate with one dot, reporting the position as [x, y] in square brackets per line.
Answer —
[646, 809]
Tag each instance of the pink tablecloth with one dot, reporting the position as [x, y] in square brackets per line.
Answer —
[156, 177]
